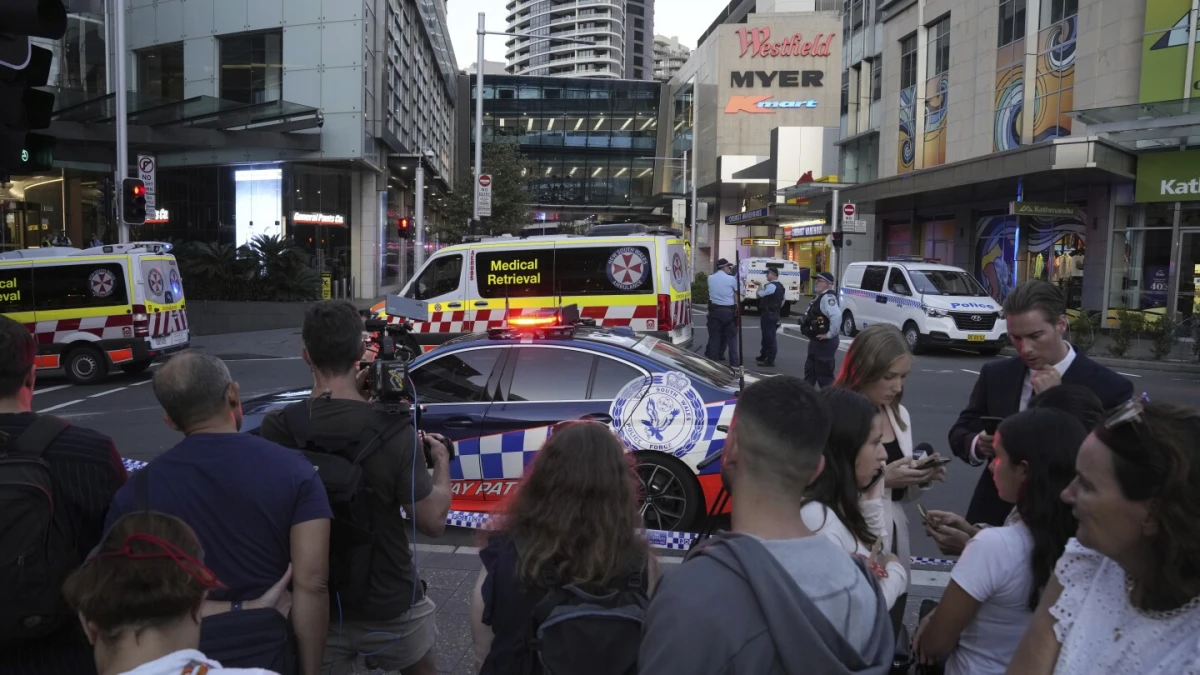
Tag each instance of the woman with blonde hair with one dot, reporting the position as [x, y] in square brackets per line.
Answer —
[876, 366]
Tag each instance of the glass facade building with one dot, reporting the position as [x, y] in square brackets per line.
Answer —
[591, 144]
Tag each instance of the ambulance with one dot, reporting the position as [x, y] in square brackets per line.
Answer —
[630, 276]
[120, 305]
[753, 275]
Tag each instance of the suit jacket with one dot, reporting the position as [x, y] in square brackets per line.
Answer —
[997, 393]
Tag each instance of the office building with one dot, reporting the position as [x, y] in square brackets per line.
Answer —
[264, 117]
[669, 57]
[621, 32]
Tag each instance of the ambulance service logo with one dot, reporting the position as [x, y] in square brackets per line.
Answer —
[101, 283]
[155, 281]
[628, 267]
[661, 412]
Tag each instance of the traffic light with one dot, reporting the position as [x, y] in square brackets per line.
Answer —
[404, 228]
[133, 201]
[23, 68]
[837, 239]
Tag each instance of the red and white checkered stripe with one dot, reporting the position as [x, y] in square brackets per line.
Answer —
[637, 317]
[111, 327]
[168, 323]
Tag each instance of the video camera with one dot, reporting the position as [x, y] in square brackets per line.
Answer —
[387, 377]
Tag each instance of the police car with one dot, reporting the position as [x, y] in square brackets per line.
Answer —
[934, 305]
[497, 394]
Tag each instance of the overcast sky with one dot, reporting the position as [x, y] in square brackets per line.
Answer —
[685, 19]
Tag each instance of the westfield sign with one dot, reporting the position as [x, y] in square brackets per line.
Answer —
[757, 42]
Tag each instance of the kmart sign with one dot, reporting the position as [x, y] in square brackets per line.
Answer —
[1171, 176]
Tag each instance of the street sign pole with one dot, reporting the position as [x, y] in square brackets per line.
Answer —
[122, 121]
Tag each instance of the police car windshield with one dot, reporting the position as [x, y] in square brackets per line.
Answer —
[945, 282]
[680, 359]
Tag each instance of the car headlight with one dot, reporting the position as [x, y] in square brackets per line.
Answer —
[935, 312]
[1000, 314]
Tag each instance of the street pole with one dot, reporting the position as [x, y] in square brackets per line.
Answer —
[480, 33]
[122, 112]
[419, 239]
[694, 205]
[834, 254]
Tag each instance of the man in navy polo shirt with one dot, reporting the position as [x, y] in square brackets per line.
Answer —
[256, 506]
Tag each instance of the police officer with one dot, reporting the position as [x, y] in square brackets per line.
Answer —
[823, 347]
[722, 314]
[770, 300]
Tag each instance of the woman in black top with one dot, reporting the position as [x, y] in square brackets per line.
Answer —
[575, 519]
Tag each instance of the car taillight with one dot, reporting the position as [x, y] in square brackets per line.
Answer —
[141, 321]
[665, 322]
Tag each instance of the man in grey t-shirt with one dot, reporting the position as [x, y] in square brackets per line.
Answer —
[772, 597]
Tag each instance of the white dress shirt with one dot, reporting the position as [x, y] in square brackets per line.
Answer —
[1027, 393]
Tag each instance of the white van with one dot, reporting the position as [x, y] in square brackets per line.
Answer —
[638, 280]
[753, 275]
[934, 305]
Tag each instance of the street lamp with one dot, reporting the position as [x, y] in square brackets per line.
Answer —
[481, 32]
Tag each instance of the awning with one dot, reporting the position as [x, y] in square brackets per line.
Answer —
[1146, 125]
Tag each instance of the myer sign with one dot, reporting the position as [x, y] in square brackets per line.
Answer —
[1168, 177]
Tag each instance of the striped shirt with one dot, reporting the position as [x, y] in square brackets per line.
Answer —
[89, 472]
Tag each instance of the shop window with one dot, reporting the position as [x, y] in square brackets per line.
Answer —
[1140, 260]
[252, 67]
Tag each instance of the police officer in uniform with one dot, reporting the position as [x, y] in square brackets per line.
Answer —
[722, 314]
[770, 300]
[822, 346]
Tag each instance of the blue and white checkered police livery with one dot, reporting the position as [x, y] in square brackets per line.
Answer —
[500, 455]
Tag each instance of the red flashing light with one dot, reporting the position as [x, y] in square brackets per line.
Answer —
[527, 321]
[138, 190]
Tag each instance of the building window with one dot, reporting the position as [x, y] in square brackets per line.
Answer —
[937, 84]
[639, 23]
[1054, 11]
[856, 13]
[1054, 94]
[639, 61]
[635, 10]
[1012, 21]
[845, 93]
[907, 151]
[876, 78]
[160, 72]
[252, 67]
[639, 36]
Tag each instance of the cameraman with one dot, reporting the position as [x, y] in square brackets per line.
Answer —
[390, 617]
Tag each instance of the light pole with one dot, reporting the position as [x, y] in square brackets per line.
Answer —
[480, 32]
[692, 238]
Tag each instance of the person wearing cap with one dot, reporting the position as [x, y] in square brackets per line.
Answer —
[722, 314]
[770, 301]
[823, 347]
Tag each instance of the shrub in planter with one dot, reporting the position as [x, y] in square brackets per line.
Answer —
[699, 290]
[1129, 324]
[1084, 327]
[1164, 336]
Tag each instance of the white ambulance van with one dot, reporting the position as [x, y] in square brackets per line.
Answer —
[119, 305]
[753, 275]
[629, 276]
[934, 305]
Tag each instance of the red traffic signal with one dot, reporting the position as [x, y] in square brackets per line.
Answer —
[138, 190]
[404, 228]
[133, 201]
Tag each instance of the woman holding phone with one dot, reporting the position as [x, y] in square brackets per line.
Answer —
[845, 502]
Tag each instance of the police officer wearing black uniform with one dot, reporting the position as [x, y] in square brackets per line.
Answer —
[821, 323]
[770, 301]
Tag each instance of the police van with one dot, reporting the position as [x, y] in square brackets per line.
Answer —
[934, 305]
[753, 275]
[626, 275]
[120, 305]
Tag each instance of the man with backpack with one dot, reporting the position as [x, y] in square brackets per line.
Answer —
[377, 469]
[56, 482]
[256, 508]
[772, 597]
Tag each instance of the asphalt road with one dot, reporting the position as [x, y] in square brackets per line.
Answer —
[124, 406]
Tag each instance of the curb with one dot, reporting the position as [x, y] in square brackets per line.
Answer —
[1133, 364]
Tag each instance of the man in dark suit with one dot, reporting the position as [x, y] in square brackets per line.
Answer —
[1036, 313]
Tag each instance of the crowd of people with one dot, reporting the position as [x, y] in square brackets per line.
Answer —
[1080, 551]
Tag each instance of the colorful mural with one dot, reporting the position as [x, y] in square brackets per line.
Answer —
[995, 254]
[999, 265]
[937, 100]
[908, 130]
[1055, 92]
[1010, 93]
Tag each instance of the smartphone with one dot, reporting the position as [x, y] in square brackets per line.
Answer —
[926, 462]
[924, 514]
[990, 424]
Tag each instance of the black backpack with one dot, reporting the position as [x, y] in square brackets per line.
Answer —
[574, 632]
[37, 543]
[814, 322]
[338, 460]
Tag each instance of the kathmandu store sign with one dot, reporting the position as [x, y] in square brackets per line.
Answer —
[757, 42]
[1168, 177]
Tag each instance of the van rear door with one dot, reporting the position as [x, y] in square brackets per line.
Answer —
[161, 286]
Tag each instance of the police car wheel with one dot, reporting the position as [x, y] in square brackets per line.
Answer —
[86, 365]
[848, 325]
[670, 496]
[912, 335]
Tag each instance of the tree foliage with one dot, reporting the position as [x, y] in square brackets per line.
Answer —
[510, 200]
[268, 268]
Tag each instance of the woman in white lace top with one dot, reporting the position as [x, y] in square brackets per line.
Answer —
[1126, 593]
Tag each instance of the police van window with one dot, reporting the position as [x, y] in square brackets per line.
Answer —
[442, 276]
[80, 286]
[775, 266]
[550, 374]
[897, 284]
[16, 290]
[603, 270]
[611, 377]
[946, 282]
[460, 377]
[873, 277]
[512, 273]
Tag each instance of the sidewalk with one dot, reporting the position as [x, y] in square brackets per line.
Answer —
[263, 344]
